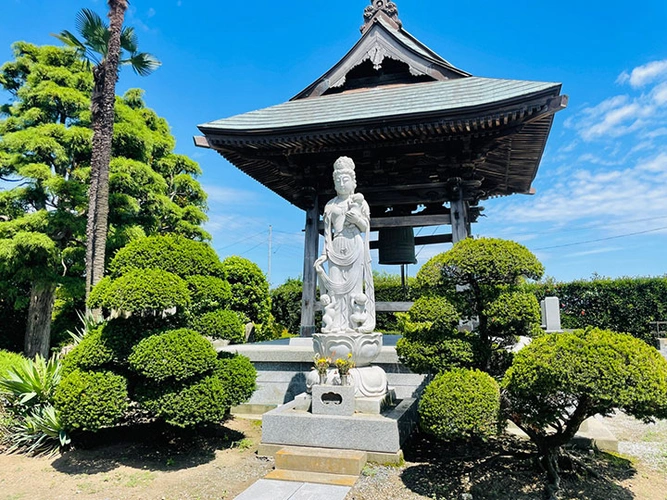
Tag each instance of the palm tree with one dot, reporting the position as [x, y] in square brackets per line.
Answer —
[106, 47]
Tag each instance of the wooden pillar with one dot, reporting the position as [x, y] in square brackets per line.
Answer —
[310, 254]
[460, 220]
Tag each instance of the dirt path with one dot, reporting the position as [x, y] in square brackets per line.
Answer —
[147, 471]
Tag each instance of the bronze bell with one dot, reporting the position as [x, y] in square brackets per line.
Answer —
[396, 245]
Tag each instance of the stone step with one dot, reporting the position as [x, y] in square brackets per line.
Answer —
[328, 461]
[312, 477]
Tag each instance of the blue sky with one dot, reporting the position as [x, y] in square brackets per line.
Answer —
[601, 202]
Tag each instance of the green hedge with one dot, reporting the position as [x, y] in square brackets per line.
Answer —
[460, 404]
[286, 305]
[9, 360]
[238, 376]
[221, 324]
[91, 400]
[622, 305]
[208, 293]
[173, 355]
[250, 289]
[186, 405]
[92, 352]
[175, 254]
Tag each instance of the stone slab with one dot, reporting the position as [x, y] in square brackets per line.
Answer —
[333, 400]
[384, 433]
[310, 491]
[312, 477]
[375, 405]
[269, 490]
[327, 461]
[397, 458]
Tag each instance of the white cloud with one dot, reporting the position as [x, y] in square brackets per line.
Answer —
[220, 195]
[151, 12]
[643, 75]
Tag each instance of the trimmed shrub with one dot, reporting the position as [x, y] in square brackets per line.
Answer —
[173, 355]
[188, 405]
[208, 293]
[431, 342]
[172, 253]
[286, 305]
[121, 334]
[91, 400]
[92, 352]
[250, 290]
[238, 377]
[9, 360]
[460, 404]
[513, 314]
[221, 324]
[141, 290]
[559, 380]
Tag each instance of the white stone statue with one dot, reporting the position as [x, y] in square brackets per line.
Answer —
[348, 286]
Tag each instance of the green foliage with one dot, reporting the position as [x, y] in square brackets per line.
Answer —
[209, 293]
[388, 288]
[238, 377]
[286, 305]
[622, 305]
[186, 405]
[9, 360]
[221, 324]
[90, 353]
[460, 404]
[173, 355]
[431, 342]
[250, 289]
[32, 382]
[91, 400]
[140, 291]
[172, 253]
[513, 314]
[585, 372]
[41, 432]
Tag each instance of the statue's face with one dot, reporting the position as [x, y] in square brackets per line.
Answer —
[344, 183]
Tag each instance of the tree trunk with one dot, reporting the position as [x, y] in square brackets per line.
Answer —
[38, 330]
[102, 107]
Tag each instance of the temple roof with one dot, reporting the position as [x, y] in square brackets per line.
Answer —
[416, 126]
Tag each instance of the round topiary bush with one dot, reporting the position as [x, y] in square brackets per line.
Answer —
[9, 360]
[250, 289]
[513, 314]
[92, 352]
[238, 376]
[141, 290]
[208, 293]
[460, 404]
[172, 253]
[185, 405]
[436, 310]
[173, 355]
[91, 400]
[221, 324]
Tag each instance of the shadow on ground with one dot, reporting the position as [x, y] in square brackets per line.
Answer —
[147, 446]
[506, 470]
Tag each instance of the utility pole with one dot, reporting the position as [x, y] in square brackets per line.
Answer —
[270, 237]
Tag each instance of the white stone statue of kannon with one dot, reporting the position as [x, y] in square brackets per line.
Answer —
[349, 282]
[347, 294]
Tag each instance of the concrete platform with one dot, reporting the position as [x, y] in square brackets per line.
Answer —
[312, 477]
[266, 489]
[345, 462]
[291, 425]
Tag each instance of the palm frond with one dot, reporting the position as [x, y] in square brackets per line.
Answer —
[129, 40]
[70, 40]
[142, 63]
[94, 31]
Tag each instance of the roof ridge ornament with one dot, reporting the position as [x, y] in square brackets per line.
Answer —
[387, 8]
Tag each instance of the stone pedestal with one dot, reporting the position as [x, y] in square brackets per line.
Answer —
[333, 400]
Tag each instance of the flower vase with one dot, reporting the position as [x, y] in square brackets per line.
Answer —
[343, 379]
[323, 378]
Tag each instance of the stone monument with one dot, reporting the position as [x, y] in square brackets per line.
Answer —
[347, 295]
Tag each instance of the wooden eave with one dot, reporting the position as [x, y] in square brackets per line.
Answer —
[383, 40]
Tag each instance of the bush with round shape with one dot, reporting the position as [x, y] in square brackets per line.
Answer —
[91, 400]
[202, 401]
[173, 355]
[141, 291]
[172, 253]
[9, 360]
[208, 293]
[238, 377]
[460, 404]
[559, 380]
[92, 352]
[250, 289]
[286, 305]
[513, 314]
[221, 324]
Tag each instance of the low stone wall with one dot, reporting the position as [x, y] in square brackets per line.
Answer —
[282, 366]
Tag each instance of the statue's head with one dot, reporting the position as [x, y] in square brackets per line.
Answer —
[344, 177]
